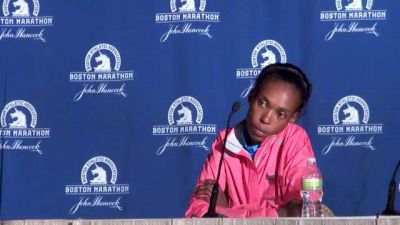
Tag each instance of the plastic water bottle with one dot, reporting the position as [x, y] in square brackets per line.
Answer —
[311, 190]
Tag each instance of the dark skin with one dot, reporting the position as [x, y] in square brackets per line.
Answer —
[270, 110]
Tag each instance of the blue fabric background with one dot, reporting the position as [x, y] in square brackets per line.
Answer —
[203, 67]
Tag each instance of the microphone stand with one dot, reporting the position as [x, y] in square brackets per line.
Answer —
[211, 213]
[390, 210]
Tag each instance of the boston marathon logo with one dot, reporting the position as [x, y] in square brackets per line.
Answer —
[19, 132]
[102, 75]
[187, 17]
[22, 21]
[351, 128]
[98, 186]
[265, 53]
[353, 16]
[184, 127]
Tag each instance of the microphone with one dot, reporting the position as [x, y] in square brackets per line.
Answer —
[392, 194]
[214, 193]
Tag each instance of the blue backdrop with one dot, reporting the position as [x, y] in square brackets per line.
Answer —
[109, 108]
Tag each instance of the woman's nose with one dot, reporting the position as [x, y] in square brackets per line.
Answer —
[266, 117]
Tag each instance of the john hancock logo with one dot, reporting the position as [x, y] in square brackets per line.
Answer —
[98, 186]
[184, 129]
[22, 21]
[350, 128]
[265, 53]
[187, 17]
[102, 75]
[353, 16]
[19, 132]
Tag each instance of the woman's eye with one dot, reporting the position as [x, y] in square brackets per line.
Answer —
[282, 115]
[262, 103]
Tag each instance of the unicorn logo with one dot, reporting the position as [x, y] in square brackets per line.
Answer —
[100, 176]
[354, 5]
[105, 65]
[189, 6]
[20, 119]
[22, 9]
[351, 114]
[102, 59]
[186, 115]
[269, 58]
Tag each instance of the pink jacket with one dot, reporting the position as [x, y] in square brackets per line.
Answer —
[256, 188]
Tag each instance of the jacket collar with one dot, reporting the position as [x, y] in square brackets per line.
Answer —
[232, 143]
[235, 141]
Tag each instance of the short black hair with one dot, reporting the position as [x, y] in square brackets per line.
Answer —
[285, 72]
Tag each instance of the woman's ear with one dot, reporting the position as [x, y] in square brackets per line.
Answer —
[294, 117]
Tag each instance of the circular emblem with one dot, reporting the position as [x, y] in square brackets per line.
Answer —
[267, 52]
[338, 4]
[184, 113]
[346, 110]
[353, 5]
[102, 59]
[187, 6]
[202, 5]
[20, 8]
[95, 166]
[17, 111]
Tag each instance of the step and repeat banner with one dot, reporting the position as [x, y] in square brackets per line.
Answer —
[109, 108]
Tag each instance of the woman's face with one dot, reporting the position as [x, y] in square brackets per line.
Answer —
[271, 109]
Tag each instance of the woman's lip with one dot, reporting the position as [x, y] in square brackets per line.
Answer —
[259, 132]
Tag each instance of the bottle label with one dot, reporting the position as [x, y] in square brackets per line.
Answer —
[311, 183]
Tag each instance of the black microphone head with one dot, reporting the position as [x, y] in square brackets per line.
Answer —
[236, 106]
